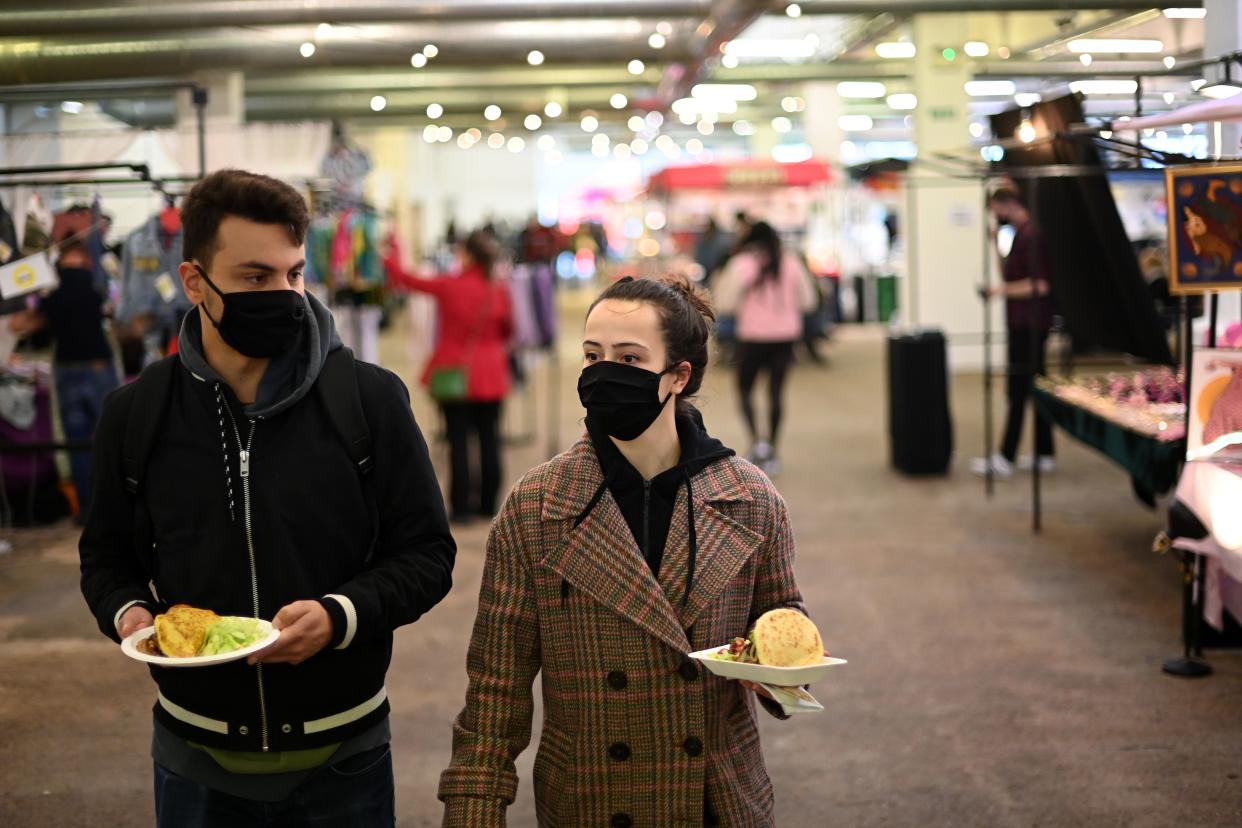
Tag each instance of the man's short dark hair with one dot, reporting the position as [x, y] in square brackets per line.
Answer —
[247, 195]
[1004, 195]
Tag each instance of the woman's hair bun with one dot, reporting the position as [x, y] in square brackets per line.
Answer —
[696, 296]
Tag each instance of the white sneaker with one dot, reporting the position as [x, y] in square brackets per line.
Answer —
[1001, 468]
[1047, 463]
[772, 466]
[760, 453]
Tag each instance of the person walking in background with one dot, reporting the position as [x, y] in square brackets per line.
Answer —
[1028, 314]
[468, 373]
[711, 249]
[646, 540]
[767, 290]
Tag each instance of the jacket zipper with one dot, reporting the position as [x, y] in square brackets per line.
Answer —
[647, 520]
[244, 467]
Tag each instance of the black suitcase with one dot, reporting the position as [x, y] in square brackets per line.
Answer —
[920, 426]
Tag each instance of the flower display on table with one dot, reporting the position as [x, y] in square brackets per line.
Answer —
[1150, 401]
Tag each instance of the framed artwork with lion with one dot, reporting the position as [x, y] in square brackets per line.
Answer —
[1205, 228]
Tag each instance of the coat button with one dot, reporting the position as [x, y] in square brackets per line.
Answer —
[619, 751]
[618, 680]
[243, 730]
[621, 821]
[688, 670]
[286, 728]
[693, 746]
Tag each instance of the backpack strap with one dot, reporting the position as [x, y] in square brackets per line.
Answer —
[338, 390]
[151, 393]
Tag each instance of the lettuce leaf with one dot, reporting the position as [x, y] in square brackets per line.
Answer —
[231, 633]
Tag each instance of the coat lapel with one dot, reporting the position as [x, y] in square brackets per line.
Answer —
[724, 545]
[600, 557]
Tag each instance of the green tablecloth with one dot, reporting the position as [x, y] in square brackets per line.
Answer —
[1154, 465]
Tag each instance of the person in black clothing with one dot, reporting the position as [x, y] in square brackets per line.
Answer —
[250, 504]
[1028, 312]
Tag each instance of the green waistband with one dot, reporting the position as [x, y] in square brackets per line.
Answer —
[289, 761]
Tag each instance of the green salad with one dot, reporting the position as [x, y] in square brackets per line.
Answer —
[231, 633]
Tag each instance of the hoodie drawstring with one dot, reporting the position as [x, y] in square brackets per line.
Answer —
[694, 540]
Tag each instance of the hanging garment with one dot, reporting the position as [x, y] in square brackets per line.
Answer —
[525, 322]
[8, 237]
[149, 281]
[36, 238]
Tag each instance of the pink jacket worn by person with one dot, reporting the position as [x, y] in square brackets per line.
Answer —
[475, 318]
[768, 312]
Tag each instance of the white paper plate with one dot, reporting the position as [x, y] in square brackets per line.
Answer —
[777, 676]
[130, 647]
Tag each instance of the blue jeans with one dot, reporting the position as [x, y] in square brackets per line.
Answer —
[80, 391]
[357, 792]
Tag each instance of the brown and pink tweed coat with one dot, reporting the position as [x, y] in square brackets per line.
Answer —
[634, 735]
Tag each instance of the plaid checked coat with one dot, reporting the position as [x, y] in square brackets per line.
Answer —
[635, 734]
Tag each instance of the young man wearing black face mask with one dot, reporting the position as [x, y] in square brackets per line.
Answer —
[243, 496]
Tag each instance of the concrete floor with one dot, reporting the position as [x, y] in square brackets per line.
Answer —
[996, 678]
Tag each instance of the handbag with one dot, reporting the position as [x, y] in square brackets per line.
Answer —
[451, 383]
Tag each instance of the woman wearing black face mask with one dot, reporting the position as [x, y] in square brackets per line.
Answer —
[645, 541]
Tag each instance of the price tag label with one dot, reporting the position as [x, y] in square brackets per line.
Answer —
[166, 287]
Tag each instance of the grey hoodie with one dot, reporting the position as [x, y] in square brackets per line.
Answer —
[289, 376]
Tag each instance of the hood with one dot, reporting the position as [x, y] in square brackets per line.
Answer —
[289, 376]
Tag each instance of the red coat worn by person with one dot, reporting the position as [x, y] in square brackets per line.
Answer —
[475, 319]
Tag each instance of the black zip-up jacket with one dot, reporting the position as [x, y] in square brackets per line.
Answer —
[308, 517]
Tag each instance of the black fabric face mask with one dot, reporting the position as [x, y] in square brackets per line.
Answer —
[258, 323]
[623, 399]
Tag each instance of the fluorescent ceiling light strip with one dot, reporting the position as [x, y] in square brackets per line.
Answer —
[1185, 14]
[726, 91]
[896, 50]
[1116, 46]
[990, 88]
[693, 106]
[786, 48]
[860, 89]
[1220, 90]
[1104, 87]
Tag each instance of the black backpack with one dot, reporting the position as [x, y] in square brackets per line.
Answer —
[337, 387]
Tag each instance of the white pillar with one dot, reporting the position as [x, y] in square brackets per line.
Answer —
[944, 220]
[1222, 35]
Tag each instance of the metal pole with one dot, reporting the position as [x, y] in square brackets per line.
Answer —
[988, 435]
[1033, 256]
[199, 95]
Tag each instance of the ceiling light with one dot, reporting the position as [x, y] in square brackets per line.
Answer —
[1197, 84]
[725, 91]
[1185, 14]
[517, 144]
[600, 138]
[435, 110]
[307, 49]
[323, 29]
[771, 49]
[1003, 53]
[655, 119]
[1147, 133]
[793, 10]
[589, 123]
[431, 50]
[475, 134]
[976, 129]
[636, 67]
[1187, 129]
[1104, 87]
[855, 123]
[445, 134]
[1220, 90]
[782, 124]
[552, 109]
[535, 58]
[1116, 46]
[743, 128]
[1025, 99]
[860, 89]
[656, 41]
[902, 101]
[792, 153]
[896, 50]
[431, 133]
[418, 61]
[694, 146]
[619, 101]
[990, 88]
[496, 140]
[599, 150]
[533, 122]
[639, 146]
[976, 49]
[546, 142]
[1085, 59]
[378, 103]
[72, 107]
[1026, 131]
[705, 127]
[492, 112]
[464, 141]
[695, 106]
[636, 123]
[729, 61]
[664, 27]
[1169, 61]
[655, 220]
[1169, 98]
[687, 118]
[622, 151]
[709, 117]
[1106, 134]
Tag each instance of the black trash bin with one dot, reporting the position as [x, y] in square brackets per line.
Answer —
[920, 426]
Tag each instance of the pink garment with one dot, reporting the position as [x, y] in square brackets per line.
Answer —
[1226, 417]
[772, 311]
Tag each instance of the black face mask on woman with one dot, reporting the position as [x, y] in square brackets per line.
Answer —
[258, 323]
[623, 399]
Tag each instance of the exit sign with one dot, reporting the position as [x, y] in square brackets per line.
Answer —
[943, 113]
